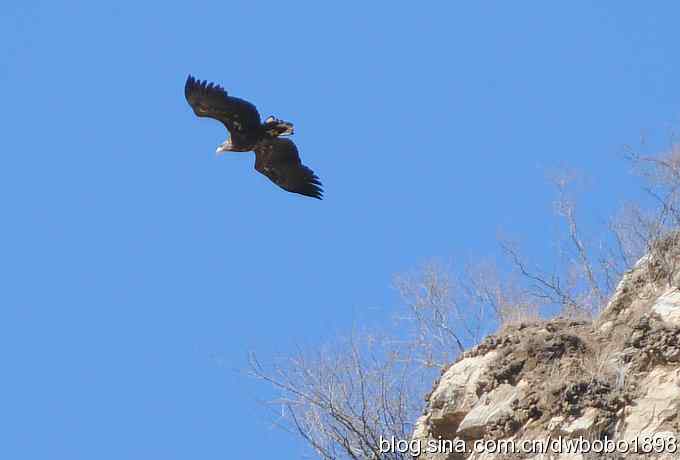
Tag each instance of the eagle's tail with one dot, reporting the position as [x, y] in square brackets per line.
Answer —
[275, 127]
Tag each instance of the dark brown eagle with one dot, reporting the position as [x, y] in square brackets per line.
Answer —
[275, 157]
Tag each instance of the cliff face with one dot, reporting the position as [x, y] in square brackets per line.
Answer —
[615, 379]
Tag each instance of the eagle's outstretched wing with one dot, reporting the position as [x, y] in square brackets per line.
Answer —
[210, 100]
[278, 159]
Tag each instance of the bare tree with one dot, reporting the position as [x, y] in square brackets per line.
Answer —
[485, 287]
[589, 268]
[432, 312]
[343, 400]
[448, 312]
[592, 267]
[654, 229]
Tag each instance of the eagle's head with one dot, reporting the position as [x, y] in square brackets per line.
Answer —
[225, 146]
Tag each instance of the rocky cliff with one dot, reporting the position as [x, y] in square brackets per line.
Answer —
[615, 380]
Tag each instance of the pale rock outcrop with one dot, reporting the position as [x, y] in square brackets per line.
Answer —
[455, 395]
[656, 410]
[617, 378]
[668, 307]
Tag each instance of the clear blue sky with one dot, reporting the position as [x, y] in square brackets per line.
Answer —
[132, 257]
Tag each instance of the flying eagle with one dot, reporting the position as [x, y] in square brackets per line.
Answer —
[275, 157]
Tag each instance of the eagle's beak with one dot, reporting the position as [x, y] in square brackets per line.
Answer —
[224, 147]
